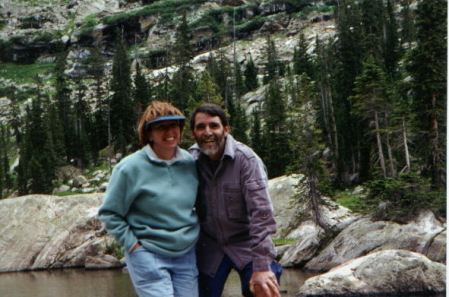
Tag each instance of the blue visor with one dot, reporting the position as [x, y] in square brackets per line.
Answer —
[165, 118]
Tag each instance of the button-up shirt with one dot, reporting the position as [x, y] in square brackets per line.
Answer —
[235, 210]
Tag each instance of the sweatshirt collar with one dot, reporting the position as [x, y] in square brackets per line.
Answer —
[152, 155]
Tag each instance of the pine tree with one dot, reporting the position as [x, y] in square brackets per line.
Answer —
[256, 133]
[251, 72]
[272, 62]
[302, 61]
[142, 90]
[83, 123]
[36, 170]
[207, 91]
[354, 154]
[306, 146]
[238, 121]
[221, 74]
[182, 84]
[428, 66]
[122, 115]
[326, 113]
[373, 103]
[392, 51]
[275, 133]
[99, 130]
[183, 50]
[239, 85]
[408, 31]
[65, 106]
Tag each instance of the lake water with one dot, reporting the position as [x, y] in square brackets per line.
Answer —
[113, 283]
[108, 283]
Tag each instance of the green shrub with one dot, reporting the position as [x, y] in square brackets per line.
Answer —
[25, 73]
[251, 25]
[400, 199]
[6, 54]
[3, 24]
[113, 248]
[167, 8]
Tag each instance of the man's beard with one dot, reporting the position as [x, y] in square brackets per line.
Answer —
[212, 150]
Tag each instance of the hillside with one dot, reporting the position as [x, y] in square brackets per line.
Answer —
[34, 29]
[349, 91]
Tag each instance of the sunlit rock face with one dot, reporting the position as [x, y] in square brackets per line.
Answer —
[44, 232]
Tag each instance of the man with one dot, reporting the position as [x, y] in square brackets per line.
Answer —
[234, 208]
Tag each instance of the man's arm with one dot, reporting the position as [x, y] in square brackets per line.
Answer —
[260, 211]
[263, 282]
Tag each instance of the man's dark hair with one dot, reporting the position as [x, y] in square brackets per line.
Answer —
[212, 110]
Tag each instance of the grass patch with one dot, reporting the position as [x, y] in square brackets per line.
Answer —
[283, 241]
[353, 202]
[24, 73]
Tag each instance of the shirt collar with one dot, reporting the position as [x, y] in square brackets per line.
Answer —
[152, 155]
[229, 147]
[228, 151]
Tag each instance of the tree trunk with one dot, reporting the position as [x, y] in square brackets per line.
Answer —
[390, 154]
[379, 145]
[314, 197]
[437, 180]
[404, 137]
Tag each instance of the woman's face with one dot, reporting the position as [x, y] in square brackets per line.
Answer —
[165, 135]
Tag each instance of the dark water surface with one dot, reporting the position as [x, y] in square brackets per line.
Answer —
[111, 283]
[107, 283]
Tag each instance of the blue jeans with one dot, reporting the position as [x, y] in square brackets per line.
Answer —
[213, 286]
[155, 275]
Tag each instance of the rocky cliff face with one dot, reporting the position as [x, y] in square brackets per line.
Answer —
[38, 27]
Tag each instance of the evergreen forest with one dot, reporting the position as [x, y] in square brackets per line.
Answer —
[364, 108]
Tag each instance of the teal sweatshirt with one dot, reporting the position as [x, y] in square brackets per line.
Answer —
[152, 201]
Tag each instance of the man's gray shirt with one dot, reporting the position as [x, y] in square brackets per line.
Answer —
[235, 210]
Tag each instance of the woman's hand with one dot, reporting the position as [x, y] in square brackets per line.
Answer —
[135, 247]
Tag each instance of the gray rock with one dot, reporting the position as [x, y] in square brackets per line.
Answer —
[62, 188]
[305, 248]
[282, 190]
[387, 272]
[365, 236]
[102, 262]
[79, 181]
[42, 232]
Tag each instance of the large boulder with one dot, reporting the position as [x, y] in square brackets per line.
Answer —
[390, 272]
[282, 190]
[289, 208]
[425, 235]
[43, 232]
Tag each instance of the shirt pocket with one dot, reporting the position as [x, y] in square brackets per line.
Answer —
[234, 203]
[258, 193]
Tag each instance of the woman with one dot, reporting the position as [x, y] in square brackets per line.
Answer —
[148, 207]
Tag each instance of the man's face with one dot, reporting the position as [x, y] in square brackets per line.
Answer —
[210, 135]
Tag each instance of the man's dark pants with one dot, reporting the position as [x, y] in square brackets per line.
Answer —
[213, 286]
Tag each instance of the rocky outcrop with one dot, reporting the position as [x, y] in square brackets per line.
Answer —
[288, 203]
[44, 232]
[389, 272]
[364, 236]
[48, 232]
